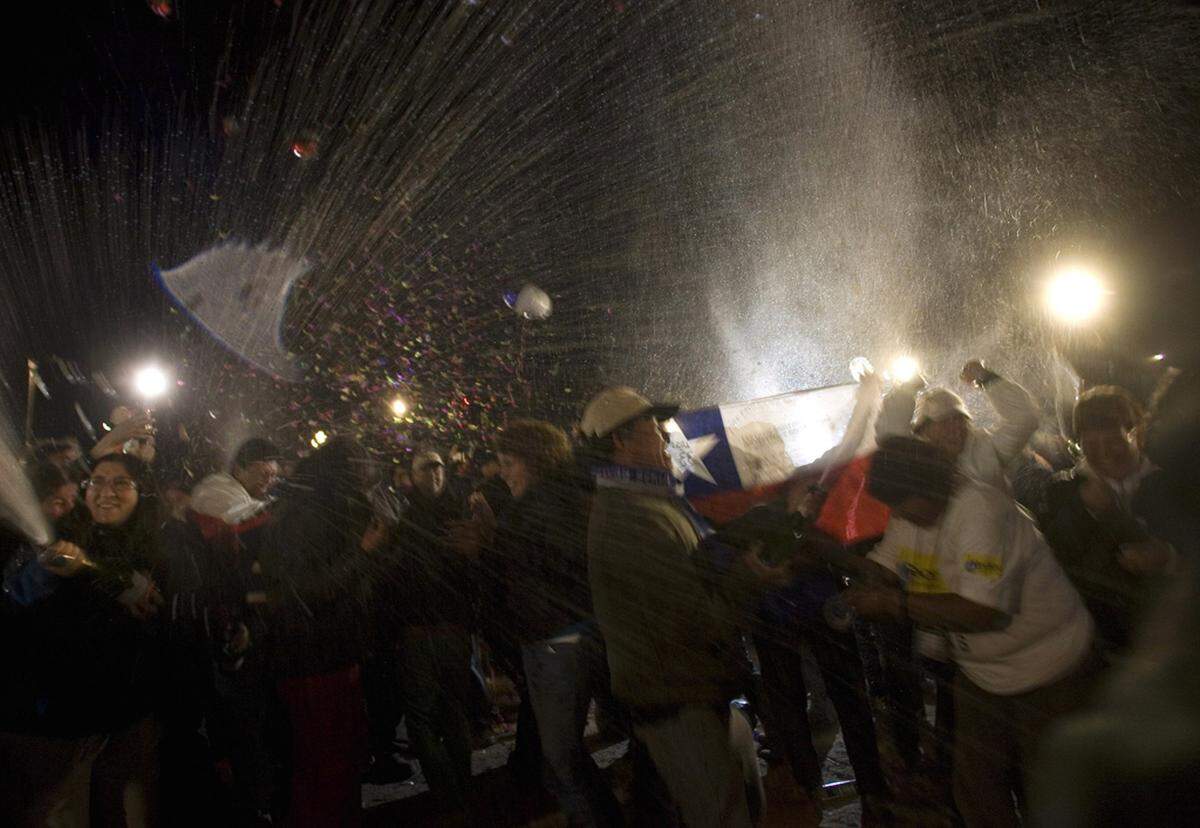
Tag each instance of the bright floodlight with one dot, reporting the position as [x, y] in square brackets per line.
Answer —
[150, 382]
[319, 439]
[399, 407]
[1075, 295]
[904, 368]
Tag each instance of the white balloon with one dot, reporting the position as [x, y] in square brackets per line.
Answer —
[239, 294]
[533, 303]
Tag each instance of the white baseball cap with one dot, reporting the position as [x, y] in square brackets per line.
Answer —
[614, 407]
[937, 404]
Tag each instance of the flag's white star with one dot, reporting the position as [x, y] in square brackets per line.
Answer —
[700, 447]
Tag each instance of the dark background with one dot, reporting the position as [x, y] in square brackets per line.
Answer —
[724, 200]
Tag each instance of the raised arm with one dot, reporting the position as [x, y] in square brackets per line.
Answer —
[1016, 408]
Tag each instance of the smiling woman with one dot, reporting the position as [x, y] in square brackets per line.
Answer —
[83, 703]
[112, 494]
[120, 497]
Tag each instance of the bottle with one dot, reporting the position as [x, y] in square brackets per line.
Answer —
[838, 614]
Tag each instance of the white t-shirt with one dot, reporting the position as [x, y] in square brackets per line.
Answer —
[220, 495]
[987, 549]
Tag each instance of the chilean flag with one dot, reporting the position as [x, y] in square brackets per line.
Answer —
[734, 456]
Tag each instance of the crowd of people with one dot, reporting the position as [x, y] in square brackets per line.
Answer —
[243, 649]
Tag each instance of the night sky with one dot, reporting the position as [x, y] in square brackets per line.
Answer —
[723, 199]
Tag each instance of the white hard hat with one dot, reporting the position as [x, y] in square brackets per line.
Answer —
[937, 404]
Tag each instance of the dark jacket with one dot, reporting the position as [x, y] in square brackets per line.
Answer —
[1088, 548]
[208, 573]
[669, 617]
[783, 610]
[318, 576]
[540, 559]
[434, 584]
[85, 664]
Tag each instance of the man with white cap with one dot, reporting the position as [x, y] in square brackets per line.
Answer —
[940, 416]
[668, 611]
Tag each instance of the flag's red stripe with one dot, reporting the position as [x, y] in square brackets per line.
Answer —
[849, 515]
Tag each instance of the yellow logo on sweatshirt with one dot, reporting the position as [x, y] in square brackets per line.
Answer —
[987, 566]
[919, 571]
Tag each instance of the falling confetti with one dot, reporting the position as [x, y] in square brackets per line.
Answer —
[162, 8]
[305, 149]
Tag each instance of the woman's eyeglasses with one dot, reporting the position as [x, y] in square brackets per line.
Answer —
[120, 485]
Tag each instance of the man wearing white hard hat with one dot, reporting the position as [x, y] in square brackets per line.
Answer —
[668, 612]
[940, 416]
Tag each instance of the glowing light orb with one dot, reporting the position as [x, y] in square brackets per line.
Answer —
[904, 368]
[150, 382]
[399, 407]
[1075, 295]
[319, 439]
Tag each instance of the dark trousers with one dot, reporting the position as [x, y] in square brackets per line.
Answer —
[105, 779]
[786, 709]
[902, 690]
[244, 728]
[435, 680]
[996, 741]
[384, 707]
[904, 673]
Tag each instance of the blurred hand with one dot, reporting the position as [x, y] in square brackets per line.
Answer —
[871, 384]
[224, 769]
[375, 536]
[465, 537]
[143, 448]
[1097, 495]
[138, 426]
[973, 372]
[765, 574]
[874, 602]
[806, 500]
[240, 642]
[142, 599]
[1146, 557]
[65, 560]
[481, 511]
